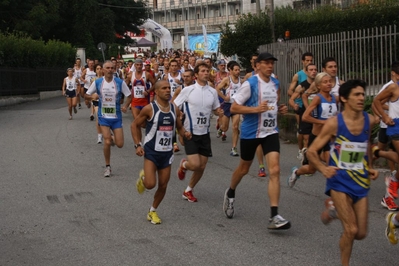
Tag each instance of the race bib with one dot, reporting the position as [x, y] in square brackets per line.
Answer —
[328, 110]
[163, 141]
[138, 91]
[351, 155]
[201, 121]
[269, 119]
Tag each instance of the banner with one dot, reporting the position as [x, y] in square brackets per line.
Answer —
[160, 31]
[197, 42]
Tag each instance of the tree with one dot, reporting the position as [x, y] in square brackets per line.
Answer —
[81, 23]
[250, 31]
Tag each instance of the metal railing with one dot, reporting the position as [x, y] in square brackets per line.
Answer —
[365, 54]
[27, 81]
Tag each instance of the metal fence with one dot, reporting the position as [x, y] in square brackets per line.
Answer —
[26, 81]
[365, 54]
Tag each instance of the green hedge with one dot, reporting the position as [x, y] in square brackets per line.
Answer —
[330, 19]
[19, 50]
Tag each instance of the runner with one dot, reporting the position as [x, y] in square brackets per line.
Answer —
[140, 91]
[99, 72]
[300, 76]
[296, 102]
[325, 106]
[77, 73]
[198, 101]
[349, 168]
[162, 121]
[110, 89]
[220, 75]
[391, 230]
[257, 100]
[230, 85]
[69, 90]
[87, 77]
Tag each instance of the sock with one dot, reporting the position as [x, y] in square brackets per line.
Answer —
[261, 166]
[107, 165]
[376, 153]
[100, 135]
[184, 165]
[152, 209]
[188, 189]
[231, 193]
[274, 211]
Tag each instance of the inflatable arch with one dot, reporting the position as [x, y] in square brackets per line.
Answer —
[160, 31]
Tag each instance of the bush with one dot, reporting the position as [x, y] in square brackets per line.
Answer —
[20, 50]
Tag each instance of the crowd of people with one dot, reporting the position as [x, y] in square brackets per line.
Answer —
[173, 96]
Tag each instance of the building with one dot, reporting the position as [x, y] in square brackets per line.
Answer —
[175, 14]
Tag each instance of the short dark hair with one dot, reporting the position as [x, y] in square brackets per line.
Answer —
[326, 60]
[173, 61]
[189, 71]
[306, 54]
[346, 88]
[232, 64]
[395, 67]
[202, 64]
[311, 64]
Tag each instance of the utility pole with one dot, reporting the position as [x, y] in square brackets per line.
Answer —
[258, 7]
[271, 15]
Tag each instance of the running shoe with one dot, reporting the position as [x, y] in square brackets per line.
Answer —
[393, 188]
[91, 117]
[153, 217]
[139, 183]
[224, 137]
[388, 203]
[299, 155]
[228, 207]
[390, 231]
[74, 110]
[293, 177]
[217, 124]
[99, 139]
[189, 196]
[329, 213]
[80, 106]
[278, 223]
[181, 171]
[262, 172]
[176, 147]
[219, 133]
[107, 172]
[234, 152]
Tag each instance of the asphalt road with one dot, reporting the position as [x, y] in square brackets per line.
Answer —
[58, 209]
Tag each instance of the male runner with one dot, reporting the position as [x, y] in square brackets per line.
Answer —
[349, 169]
[110, 90]
[257, 100]
[162, 119]
[88, 75]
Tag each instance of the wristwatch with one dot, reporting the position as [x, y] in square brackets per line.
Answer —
[137, 145]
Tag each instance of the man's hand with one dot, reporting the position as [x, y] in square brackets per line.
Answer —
[387, 120]
[373, 173]
[263, 107]
[140, 151]
[283, 109]
[329, 171]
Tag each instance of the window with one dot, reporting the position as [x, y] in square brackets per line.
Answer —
[253, 1]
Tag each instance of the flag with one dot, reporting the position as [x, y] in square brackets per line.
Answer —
[205, 38]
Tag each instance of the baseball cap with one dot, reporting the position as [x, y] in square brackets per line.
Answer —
[147, 62]
[221, 62]
[265, 56]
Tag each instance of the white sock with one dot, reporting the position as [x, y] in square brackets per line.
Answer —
[188, 189]
[393, 177]
[184, 165]
[394, 221]
[100, 135]
[152, 209]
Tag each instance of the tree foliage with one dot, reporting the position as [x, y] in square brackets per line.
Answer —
[81, 23]
[250, 31]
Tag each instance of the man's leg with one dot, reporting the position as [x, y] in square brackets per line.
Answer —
[196, 163]
[107, 143]
[273, 163]
[259, 156]
[241, 170]
[163, 179]
[235, 130]
[118, 137]
[346, 213]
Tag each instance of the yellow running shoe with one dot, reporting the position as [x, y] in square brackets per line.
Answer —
[153, 217]
[139, 183]
[390, 231]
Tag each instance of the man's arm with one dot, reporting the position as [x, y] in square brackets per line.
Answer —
[306, 117]
[223, 84]
[293, 84]
[296, 94]
[135, 127]
[63, 88]
[179, 126]
[327, 132]
[381, 97]
[83, 77]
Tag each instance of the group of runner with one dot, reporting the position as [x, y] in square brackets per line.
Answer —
[334, 130]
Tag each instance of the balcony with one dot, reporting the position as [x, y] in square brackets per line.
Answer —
[179, 4]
